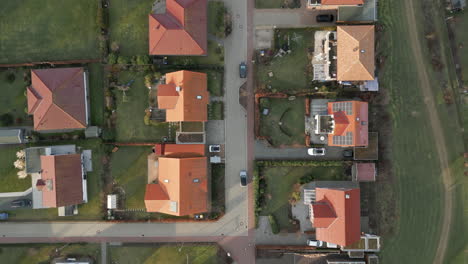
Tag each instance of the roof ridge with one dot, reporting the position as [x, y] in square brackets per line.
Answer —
[45, 113]
[72, 117]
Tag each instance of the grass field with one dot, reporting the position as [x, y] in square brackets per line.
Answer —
[129, 168]
[159, 254]
[96, 93]
[130, 125]
[128, 23]
[35, 31]
[13, 101]
[88, 211]
[280, 183]
[418, 185]
[42, 253]
[292, 72]
[9, 181]
[291, 116]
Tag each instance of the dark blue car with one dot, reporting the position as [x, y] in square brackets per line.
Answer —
[3, 216]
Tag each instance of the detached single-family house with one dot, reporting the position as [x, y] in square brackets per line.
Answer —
[184, 96]
[345, 124]
[57, 99]
[355, 53]
[177, 180]
[58, 176]
[335, 214]
[179, 29]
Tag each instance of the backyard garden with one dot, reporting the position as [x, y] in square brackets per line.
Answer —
[33, 31]
[287, 67]
[276, 199]
[283, 123]
[13, 103]
[167, 253]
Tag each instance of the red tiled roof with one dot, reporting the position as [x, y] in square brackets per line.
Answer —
[168, 149]
[342, 2]
[345, 228]
[182, 30]
[62, 175]
[182, 186]
[355, 123]
[56, 99]
[365, 171]
[188, 104]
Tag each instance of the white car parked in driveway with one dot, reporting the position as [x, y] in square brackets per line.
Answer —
[314, 243]
[316, 151]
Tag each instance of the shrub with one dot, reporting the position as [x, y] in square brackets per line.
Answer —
[10, 77]
[108, 134]
[306, 179]
[295, 196]
[112, 58]
[274, 225]
[6, 119]
[122, 60]
[142, 60]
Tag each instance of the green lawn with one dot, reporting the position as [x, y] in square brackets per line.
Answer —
[13, 100]
[192, 126]
[416, 183]
[292, 73]
[93, 210]
[9, 181]
[215, 57]
[128, 23]
[284, 124]
[280, 182]
[96, 93]
[216, 18]
[216, 111]
[147, 254]
[44, 31]
[42, 253]
[269, 3]
[130, 125]
[215, 82]
[129, 168]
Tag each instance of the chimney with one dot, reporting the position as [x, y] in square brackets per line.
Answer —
[347, 196]
[178, 88]
[199, 97]
[40, 184]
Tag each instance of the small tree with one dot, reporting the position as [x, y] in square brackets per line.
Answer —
[142, 60]
[21, 154]
[6, 119]
[19, 164]
[148, 80]
[122, 60]
[112, 58]
[10, 77]
[115, 46]
[22, 174]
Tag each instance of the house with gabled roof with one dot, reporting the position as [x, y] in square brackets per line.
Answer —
[355, 53]
[178, 181]
[180, 28]
[57, 99]
[335, 215]
[184, 96]
[345, 124]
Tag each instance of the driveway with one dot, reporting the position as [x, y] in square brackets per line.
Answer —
[289, 18]
[6, 201]
[264, 151]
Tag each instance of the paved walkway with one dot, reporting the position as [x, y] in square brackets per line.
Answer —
[103, 253]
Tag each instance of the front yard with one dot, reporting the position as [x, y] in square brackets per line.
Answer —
[58, 30]
[130, 126]
[9, 181]
[13, 100]
[284, 124]
[169, 253]
[277, 3]
[289, 73]
[44, 253]
[278, 181]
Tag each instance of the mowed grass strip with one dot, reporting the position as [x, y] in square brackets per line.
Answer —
[129, 168]
[417, 187]
[48, 30]
[175, 254]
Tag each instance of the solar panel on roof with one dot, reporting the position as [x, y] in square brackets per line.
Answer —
[343, 140]
[347, 107]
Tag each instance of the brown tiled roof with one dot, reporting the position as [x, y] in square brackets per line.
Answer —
[342, 2]
[56, 99]
[345, 229]
[355, 53]
[182, 30]
[62, 175]
[182, 186]
[188, 104]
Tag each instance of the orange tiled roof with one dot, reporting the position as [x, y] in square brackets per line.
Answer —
[182, 186]
[62, 176]
[355, 53]
[342, 2]
[190, 102]
[351, 120]
[340, 224]
[182, 30]
[56, 99]
[168, 149]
